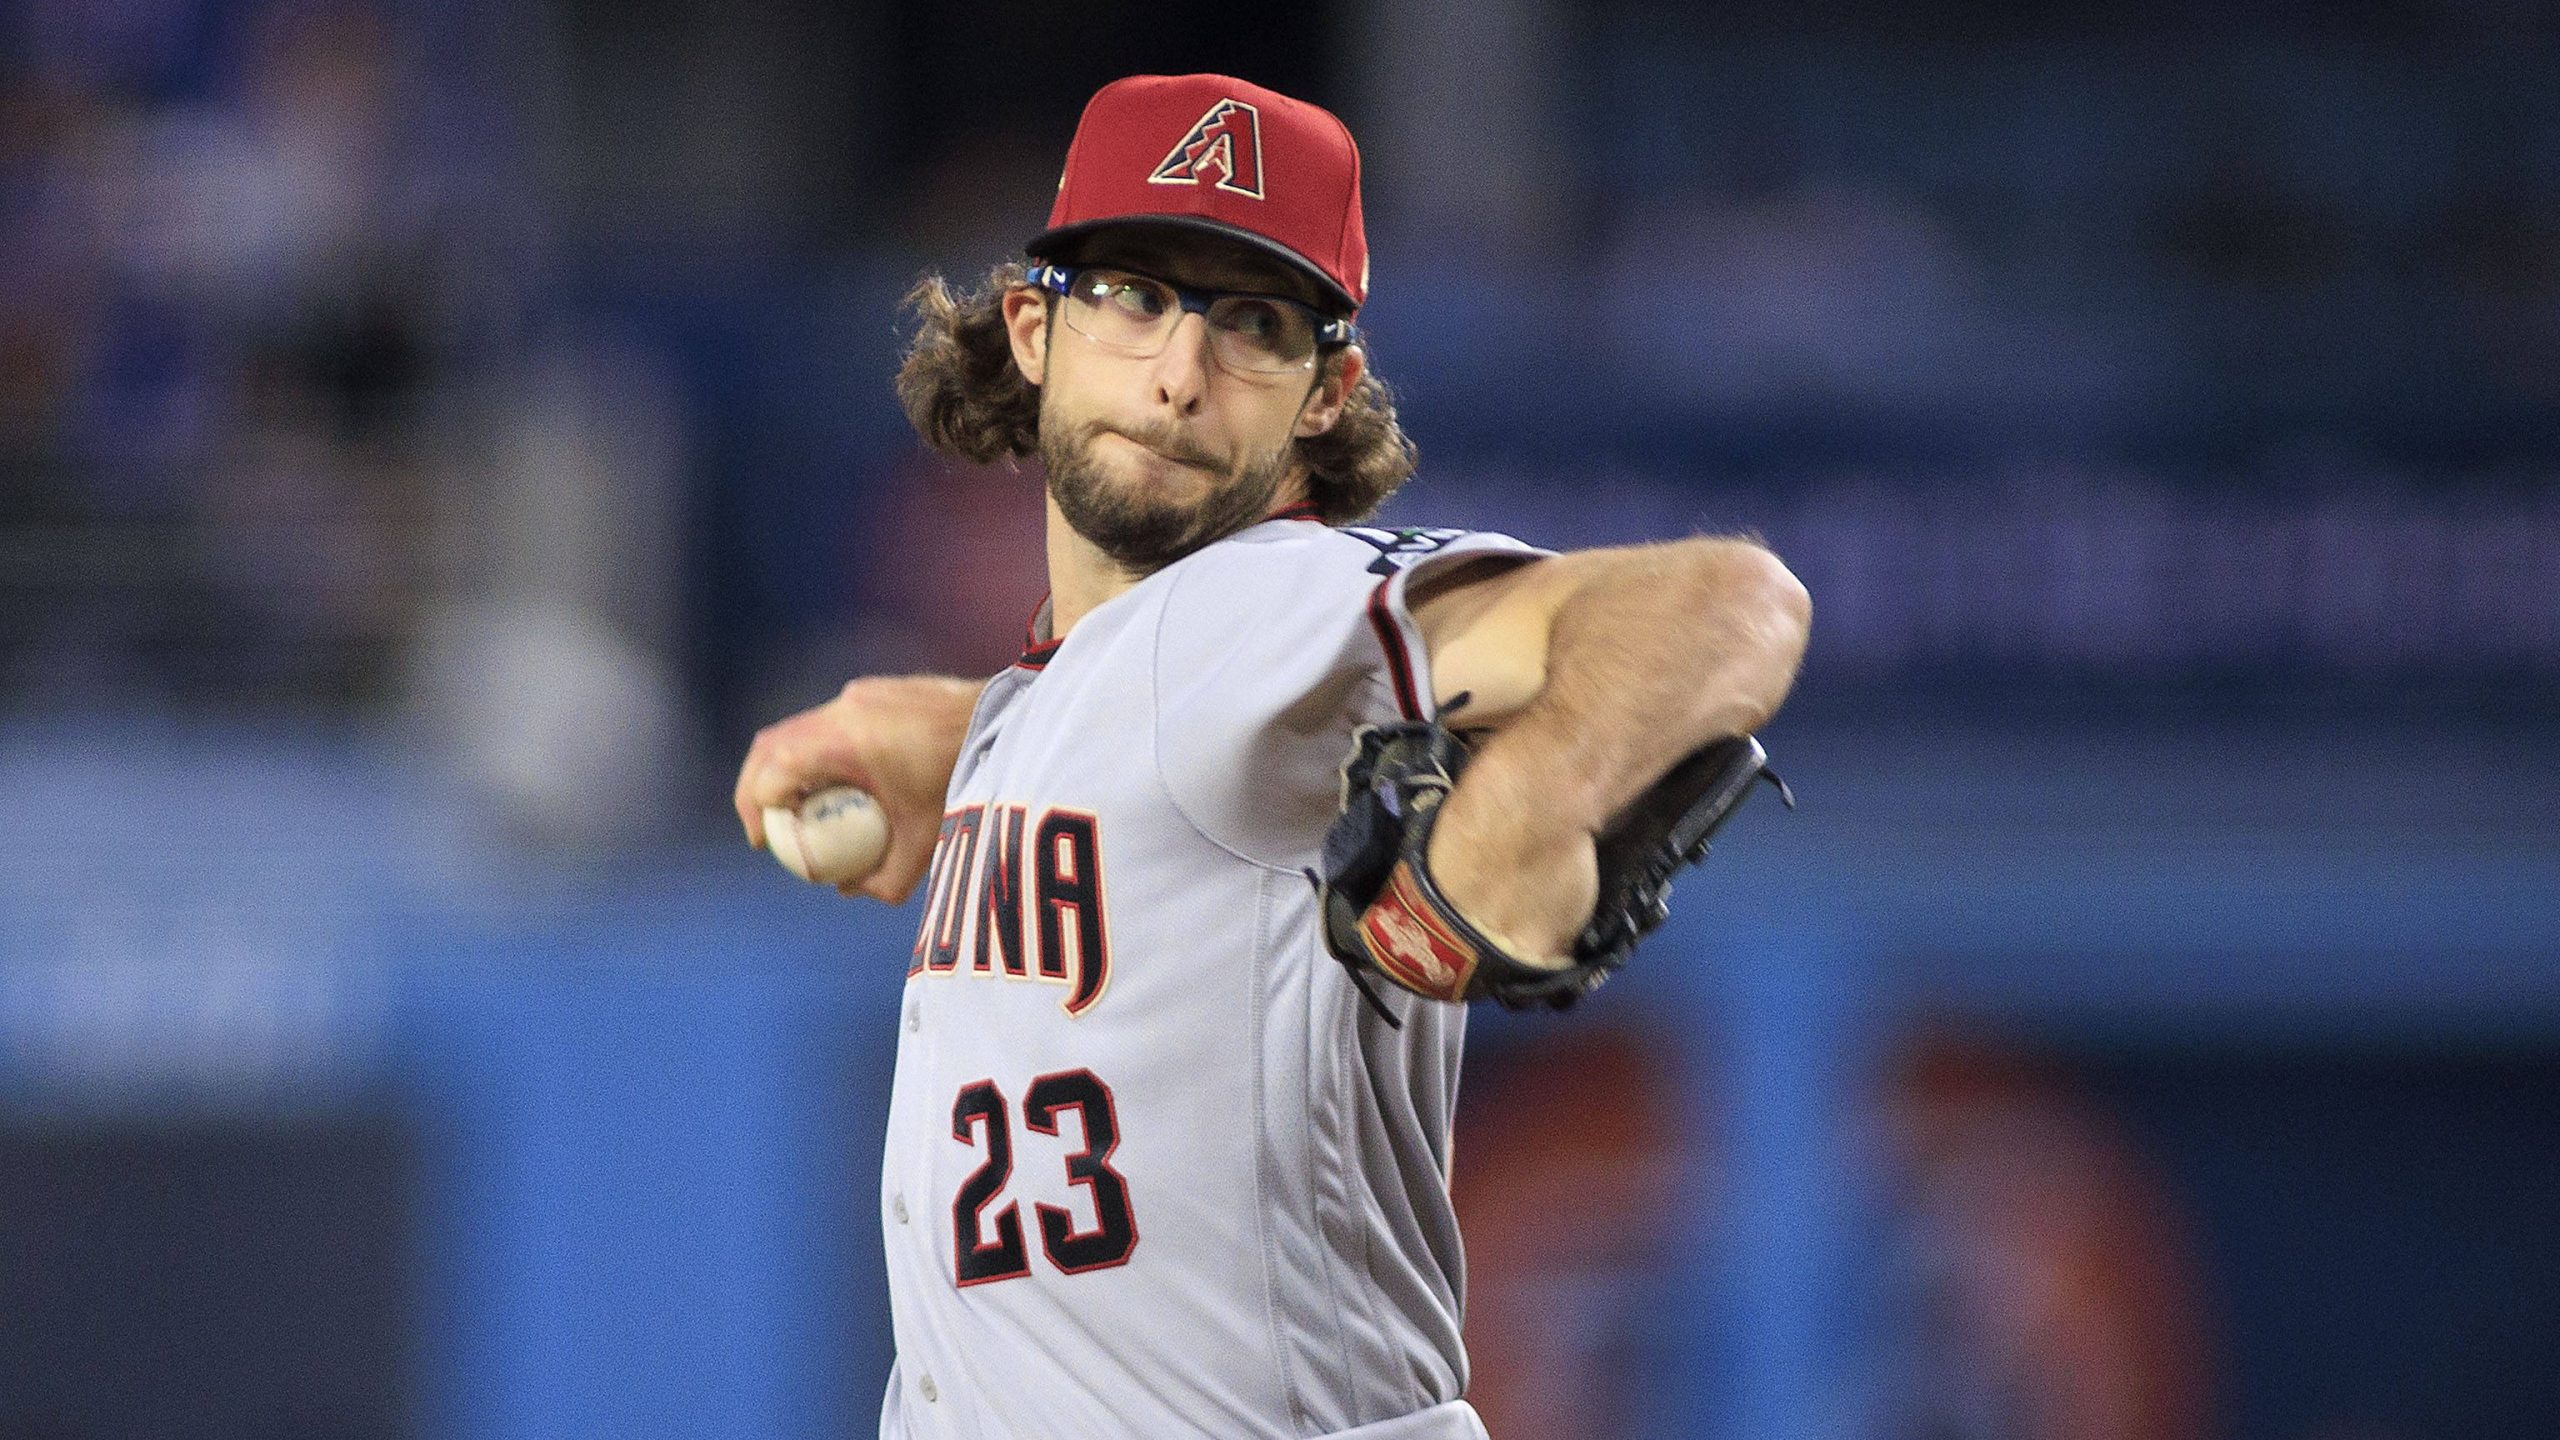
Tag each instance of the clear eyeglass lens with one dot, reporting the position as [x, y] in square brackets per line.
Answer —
[1262, 334]
[1136, 314]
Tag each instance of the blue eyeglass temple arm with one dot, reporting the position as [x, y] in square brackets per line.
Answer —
[1062, 278]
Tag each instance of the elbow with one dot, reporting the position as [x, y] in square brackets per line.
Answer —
[1783, 596]
[1763, 616]
[1746, 582]
[1796, 603]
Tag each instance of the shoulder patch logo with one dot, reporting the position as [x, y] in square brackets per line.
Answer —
[1227, 142]
[1401, 547]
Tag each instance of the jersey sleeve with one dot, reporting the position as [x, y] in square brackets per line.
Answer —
[1269, 659]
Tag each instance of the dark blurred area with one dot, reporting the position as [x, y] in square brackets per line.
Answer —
[433, 436]
[2209, 353]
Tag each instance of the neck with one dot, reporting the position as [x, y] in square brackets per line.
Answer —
[1081, 577]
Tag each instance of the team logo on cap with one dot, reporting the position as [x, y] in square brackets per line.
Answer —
[1227, 143]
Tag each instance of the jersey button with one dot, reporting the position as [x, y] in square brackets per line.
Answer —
[898, 1208]
[924, 1386]
[913, 1019]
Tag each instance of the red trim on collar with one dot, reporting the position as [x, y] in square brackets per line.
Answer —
[1036, 651]
[1303, 510]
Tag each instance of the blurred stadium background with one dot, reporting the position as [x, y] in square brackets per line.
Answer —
[434, 433]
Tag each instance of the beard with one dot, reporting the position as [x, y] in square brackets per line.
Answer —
[1143, 533]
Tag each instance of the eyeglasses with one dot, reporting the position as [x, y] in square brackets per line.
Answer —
[1135, 314]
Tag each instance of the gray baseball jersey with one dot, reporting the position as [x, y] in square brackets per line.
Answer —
[1154, 1168]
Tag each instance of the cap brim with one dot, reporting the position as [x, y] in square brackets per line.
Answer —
[1047, 244]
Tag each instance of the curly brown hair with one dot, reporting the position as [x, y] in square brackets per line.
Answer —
[961, 391]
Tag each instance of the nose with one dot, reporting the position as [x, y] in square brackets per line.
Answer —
[1182, 368]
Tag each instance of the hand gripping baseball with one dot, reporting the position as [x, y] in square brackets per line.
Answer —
[1383, 913]
[895, 738]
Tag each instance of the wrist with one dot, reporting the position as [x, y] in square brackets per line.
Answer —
[1534, 785]
[1518, 870]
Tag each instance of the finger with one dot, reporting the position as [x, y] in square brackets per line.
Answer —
[778, 778]
[750, 814]
[889, 884]
[898, 875]
[775, 777]
[799, 765]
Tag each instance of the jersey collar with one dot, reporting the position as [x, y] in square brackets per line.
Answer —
[1036, 649]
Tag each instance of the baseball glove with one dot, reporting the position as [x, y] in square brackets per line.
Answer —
[1384, 915]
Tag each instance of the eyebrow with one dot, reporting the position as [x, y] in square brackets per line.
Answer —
[1242, 276]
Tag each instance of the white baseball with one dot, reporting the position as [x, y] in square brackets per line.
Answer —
[836, 837]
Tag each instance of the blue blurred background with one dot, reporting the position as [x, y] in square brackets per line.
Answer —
[435, 433]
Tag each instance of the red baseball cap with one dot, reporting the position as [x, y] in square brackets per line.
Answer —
[1214, 153]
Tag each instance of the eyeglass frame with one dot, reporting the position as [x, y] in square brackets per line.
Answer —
[1330, 333]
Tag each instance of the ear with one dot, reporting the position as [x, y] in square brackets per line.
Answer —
[1324, 402]
[1026, 321]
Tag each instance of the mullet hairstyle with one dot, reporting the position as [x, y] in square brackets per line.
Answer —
[961, 391]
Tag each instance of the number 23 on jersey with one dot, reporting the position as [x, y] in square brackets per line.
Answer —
[987, 1243]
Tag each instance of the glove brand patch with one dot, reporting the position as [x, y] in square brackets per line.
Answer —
[1227, 142]
[1412, 946]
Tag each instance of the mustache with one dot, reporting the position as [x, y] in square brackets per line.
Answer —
[1166, 440]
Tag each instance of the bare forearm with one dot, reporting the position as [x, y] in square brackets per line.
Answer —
[1645, 655]
[1656, 652]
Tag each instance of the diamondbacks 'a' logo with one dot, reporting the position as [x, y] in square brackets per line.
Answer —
[1226, 143]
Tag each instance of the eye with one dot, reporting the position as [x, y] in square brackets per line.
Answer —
[1257, 319]
[1138, 299]
[1274, 328]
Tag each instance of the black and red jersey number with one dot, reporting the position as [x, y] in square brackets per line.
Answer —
[979, 1257]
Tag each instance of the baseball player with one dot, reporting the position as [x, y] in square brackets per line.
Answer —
[1157, 1166]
